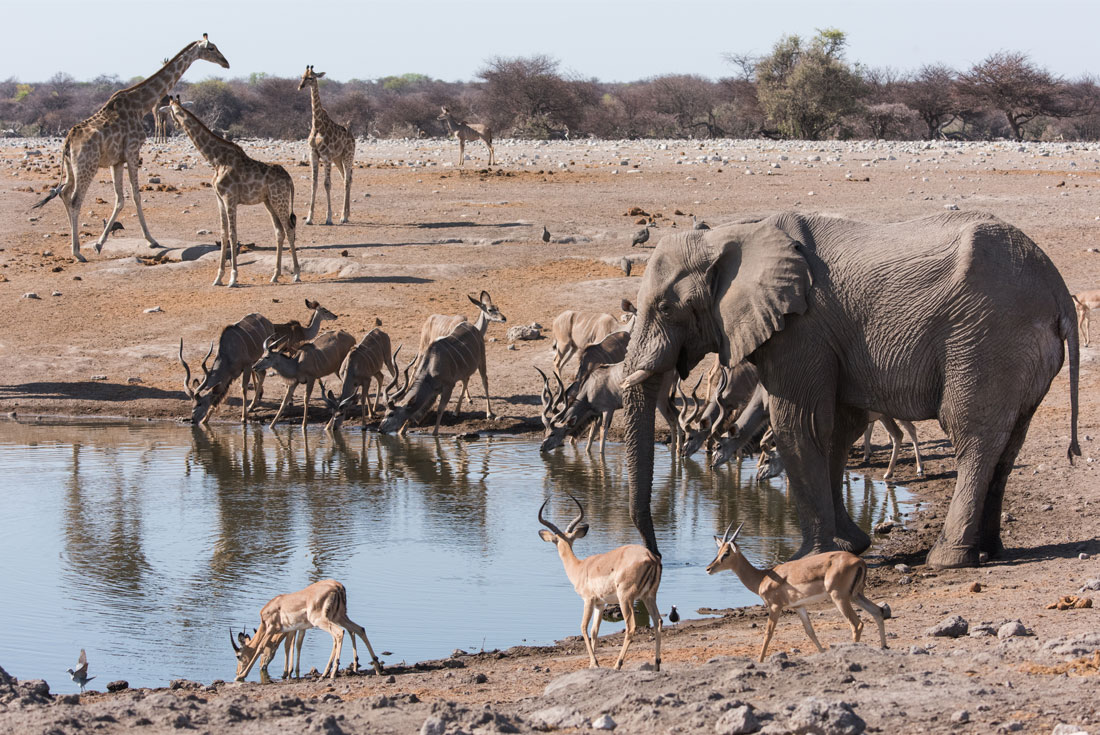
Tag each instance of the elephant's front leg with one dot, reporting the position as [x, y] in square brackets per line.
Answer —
[848, 425]
[809, 474]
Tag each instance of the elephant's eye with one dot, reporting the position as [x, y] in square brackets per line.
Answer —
[664, 306]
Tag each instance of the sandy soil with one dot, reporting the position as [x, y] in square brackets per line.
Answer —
[425, 233]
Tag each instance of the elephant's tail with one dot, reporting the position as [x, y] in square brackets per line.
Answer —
[1069, 330]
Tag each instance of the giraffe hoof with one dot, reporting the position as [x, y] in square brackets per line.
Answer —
[153, 245]
[275, 278]
[297, 278]
[80, 258]
[98, 247]
[309, 221]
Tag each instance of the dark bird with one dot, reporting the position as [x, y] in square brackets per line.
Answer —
[673, 616]
[114, 227]
[698, 224]
[627, 265]
[641, 237]
[80, 674]
[545, 234]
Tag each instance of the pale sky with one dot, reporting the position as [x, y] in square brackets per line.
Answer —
[612, 40]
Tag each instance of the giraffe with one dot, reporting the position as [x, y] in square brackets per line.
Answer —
[113, 137]
[239, 179]
[161, 117]
[328, 142]
[465, 132]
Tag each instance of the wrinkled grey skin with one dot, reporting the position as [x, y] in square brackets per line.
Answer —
[958, 317]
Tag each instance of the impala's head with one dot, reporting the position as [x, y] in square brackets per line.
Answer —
[727, 550]
[573, 531]
[488, 308]
[310, 77]
[324, 314]
[246, 649]
[203, 395]
[209, 52]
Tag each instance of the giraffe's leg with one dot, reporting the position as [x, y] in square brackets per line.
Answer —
[132, 167]
[348, 166]
[313, 162]
[279, 234]
[291, 234]
[83, 179]
[120, 197]
[231, 214]
[328, 191]
[225, 239]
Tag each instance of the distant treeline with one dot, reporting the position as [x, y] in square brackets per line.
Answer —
[804, 89]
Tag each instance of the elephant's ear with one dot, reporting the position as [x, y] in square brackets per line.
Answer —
[757, 277]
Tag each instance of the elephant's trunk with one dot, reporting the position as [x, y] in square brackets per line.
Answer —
[640, 402]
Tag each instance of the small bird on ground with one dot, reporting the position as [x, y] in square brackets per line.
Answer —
[641, 237]
[80, 674]
[698, 224]
[545, 234]
[627, 265]
[673, 616]
[116, 227]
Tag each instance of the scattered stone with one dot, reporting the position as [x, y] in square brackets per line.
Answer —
[512, 347]
[916, 650]
[604, 722]
[982, 631]
[118, 686]
[31, 295]
[154, 179]
[524, 332]
[55, 293]
[821, 717]
[98, 377]
[434, 725]
[202, 232]
[1011, 629]
[558, 718]
[134, 380]
[1093, 585]
[884, 528]
[903, 568]
[952, 627]
[1073, 646]
[480, 678]
[1083, 556]
[961, 716]
[952, 207]
[976, 587]
[1064, 729]
[737, 721]
[154, 310]
[391, 679]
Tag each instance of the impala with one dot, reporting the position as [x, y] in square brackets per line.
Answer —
[321, 605]
[838, 576]
[621, 576]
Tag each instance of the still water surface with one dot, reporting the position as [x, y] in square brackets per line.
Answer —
[144, 544]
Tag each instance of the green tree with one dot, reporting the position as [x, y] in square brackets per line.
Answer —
[805, 89]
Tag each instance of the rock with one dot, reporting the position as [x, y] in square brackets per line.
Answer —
[737, 721]
[1093, 585]
[154, 310]
[512, 348]
[1073, 646]
[391, 679]
[55, 293]
[558, 718]
[524, 332]
[98, 377]
[976, 587]
[884, 528]
[480, 678]
[134, 380]
[952, 627]
[952, 207]
[821, 717]
[961, 716]
[200, 233]
[434, 725]
[982, 631]
[1064, 729]
[903, 568]
[604, 722]
[1083, 556]
[118, 685]
[915, 650]
[585, 679]
[1011, 629]
[31, 295]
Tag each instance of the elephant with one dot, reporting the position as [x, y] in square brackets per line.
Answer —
[958, 317]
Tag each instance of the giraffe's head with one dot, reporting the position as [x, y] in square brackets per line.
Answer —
[209, 52]
[310, 77]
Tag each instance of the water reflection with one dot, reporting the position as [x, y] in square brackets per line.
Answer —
[141, 538]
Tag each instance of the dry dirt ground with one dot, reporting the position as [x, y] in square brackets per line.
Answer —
[425, 233]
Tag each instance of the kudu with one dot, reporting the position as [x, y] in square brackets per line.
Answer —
[321, 605]
[619, 576]
[313, 361]
[239, 347]
[363, 365]
[594, 400]
[464, 132]
[440, 325]
[705, 422]
[575, 330]
[838, 576]
[448, 361]
[292, 335]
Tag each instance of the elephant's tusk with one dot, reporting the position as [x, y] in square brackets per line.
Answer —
[638, 376]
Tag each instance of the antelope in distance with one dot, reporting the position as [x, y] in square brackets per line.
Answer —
[594, 401]
[240, 179]
[838, 576]
[705, 422]
[363, 365]
[1083, 303]
[239, 347]
[292, 335]
[575, 330]
[448, 361]
[440, 325]
[313, 361]
[465, 132]
[620, 576]
[321, 605]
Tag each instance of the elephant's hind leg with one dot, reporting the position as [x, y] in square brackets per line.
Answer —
[848, 425]
[990, 534]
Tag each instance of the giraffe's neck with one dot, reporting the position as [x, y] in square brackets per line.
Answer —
[320, 117]
[216, 150]
[149, 93]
